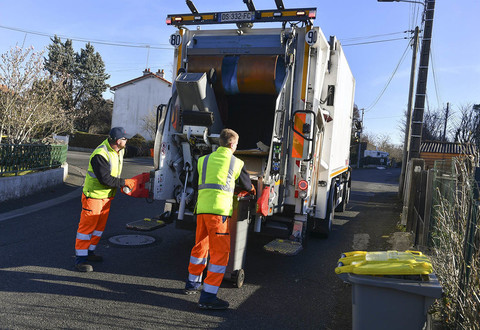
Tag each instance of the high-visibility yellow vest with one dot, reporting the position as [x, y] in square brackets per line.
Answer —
[217, 173]
[92, 187]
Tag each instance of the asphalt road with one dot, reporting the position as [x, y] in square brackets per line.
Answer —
[140, 287]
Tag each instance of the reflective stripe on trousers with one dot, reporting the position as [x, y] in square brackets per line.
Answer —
[213, 235]
[93, 220]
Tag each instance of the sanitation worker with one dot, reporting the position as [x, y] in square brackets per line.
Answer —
[218, 174]
[101, 183]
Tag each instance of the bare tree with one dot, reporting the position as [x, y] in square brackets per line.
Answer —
[368, 137]
[383, 142]
[30, 100]
[148, 124]
[467, 127]
[433, 123]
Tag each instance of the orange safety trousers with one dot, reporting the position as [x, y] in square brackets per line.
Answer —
[93, 220]
[213, 235]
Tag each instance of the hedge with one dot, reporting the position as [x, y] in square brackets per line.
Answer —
[136, 146]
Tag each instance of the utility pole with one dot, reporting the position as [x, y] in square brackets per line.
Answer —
[417, 118]
[406, 143]
[444, 138]
[360, 143]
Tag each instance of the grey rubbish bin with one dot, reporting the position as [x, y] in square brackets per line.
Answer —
[391, 302]
[238, 239]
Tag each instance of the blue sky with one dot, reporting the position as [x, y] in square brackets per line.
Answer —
[454, 66]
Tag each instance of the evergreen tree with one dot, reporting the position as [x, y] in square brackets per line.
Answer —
[61, 62]
[90, 74]
[86, 79]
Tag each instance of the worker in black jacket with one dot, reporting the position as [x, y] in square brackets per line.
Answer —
[101, 183]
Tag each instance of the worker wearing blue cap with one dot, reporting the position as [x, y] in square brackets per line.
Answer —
[102, 179]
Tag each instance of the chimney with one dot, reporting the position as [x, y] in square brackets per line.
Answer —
[161, 73]
[146, 71]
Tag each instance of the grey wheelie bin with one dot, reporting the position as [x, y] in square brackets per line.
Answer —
[238, 239]
[390, 289]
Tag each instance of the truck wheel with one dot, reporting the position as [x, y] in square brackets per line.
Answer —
[326, 225]
[345, 195]
[320, 227]
[238, 277]
[345, 198]
[306, 231]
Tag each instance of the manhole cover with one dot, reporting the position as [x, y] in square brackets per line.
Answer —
[131, 240]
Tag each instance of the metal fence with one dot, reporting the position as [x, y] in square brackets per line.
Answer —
[444, 216]
[16, 158]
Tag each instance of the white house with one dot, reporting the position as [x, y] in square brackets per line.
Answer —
[137, 98]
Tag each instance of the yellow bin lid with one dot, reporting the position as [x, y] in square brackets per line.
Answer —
[384, 263]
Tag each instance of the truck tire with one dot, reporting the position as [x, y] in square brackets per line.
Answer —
[320, 227]
[306, 232]
[345, 198]
[326, 225]
[345, 195]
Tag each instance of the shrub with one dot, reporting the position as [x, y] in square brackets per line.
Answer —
[86, 140]
[456, 231]
[136, 146]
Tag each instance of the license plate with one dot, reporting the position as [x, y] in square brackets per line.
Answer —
[237, 16]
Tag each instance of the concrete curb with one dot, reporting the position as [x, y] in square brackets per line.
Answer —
[24, 185]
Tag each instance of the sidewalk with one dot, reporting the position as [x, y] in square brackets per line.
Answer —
[71, 188]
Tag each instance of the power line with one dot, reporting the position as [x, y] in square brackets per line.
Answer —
[373, 42]
[389, 80]
[389, 117]
[93, 41]
[415, 10]
[435, 83]
[373, 36]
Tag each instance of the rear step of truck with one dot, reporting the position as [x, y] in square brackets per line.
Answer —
[149, 224]
[284, 247]
[146, 224]
[277, 229]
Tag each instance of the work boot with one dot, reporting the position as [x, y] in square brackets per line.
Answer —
[192, 287]
[216, 304]
[93, 257]
[84, 267]
[210, 301]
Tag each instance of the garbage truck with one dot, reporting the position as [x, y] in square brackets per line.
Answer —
[286, 90]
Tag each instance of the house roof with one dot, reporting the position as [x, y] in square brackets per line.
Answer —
[447, 147]
[146, 75]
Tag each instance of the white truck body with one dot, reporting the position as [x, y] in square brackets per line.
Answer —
[288, 92]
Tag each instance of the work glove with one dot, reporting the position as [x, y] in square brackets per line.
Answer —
[130, 183]
[253, 191]
[135, 187]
